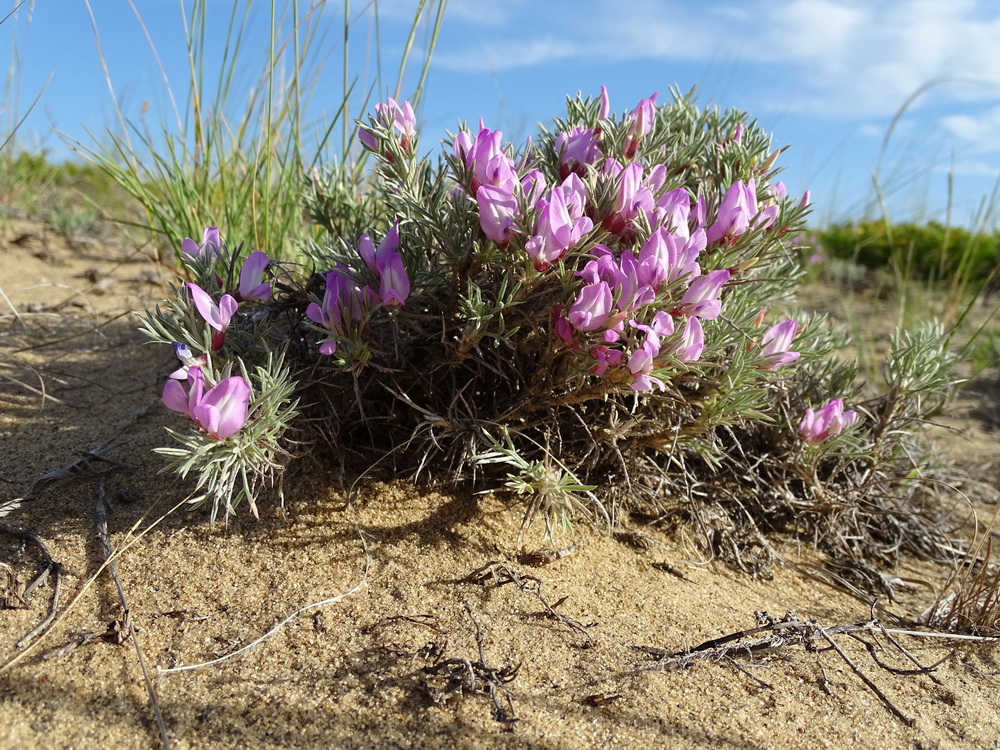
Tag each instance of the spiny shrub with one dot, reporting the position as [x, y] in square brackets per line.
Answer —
[592, 321]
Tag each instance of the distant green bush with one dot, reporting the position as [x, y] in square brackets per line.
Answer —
[928, 251]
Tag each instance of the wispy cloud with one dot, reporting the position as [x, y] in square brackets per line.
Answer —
[514, 53]
[980, 131]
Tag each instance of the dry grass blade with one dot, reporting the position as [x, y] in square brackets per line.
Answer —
[111, 561]
[970, 599]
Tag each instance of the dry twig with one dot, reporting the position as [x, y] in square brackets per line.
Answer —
[502, 574]
[461, 676]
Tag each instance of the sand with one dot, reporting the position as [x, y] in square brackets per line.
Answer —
[404, 649]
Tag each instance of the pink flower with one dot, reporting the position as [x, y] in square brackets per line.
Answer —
[497, 212]
[605, 357]
[739, 207]
[394, 284]
[391, 115]
[592, 307]
[692, 342]
[486, 160]
[210, 247]
[770, 207]
[220, 412]
[829, 420]
[701, 298]
[673, 210]
[462, 146]
[643, 117]
[343, 298]
[387, 265]
[216, 315]
[643, 360]
[665, 259]
[533, 187]
[251, 278]
[776, 342]
[561, 223]
[632, 197]
[576, 148]
[373, 257]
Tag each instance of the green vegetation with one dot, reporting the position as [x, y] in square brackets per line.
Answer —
[930, 251]
[241, 159]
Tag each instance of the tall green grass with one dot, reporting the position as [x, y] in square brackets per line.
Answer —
[240, 160]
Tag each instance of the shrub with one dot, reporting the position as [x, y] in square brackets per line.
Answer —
[591, 321]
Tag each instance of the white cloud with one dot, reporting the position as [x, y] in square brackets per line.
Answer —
[840, 58]
[981, 132]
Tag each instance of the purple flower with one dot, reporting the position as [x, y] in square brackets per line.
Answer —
[533, 187]
[251, 278]
[216, 315]
[605, 357]
[605, 107]
[776, 342]
[210, 247]
[394, 284]
[673, 211]
[497, 212]
[701, 298]
[664, 259]
[391, 115]
[632, 283]
[343, 297]
[375, 257]
[662, 324]
[387, 265]
[829, 420]
[739, 207]
[561, 223]
[643, 360]
[221, 411]
[769, 208]
[632, 197]
[576, 148]
[462, 146]
[486, 160]
[692, 342]
[592, 307]
[642, 118]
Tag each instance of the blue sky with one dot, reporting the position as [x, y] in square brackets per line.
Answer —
[825, 76]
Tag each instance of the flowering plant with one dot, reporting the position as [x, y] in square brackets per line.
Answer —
[591, 320]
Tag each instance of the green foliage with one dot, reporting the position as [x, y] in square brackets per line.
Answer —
[929, 251]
